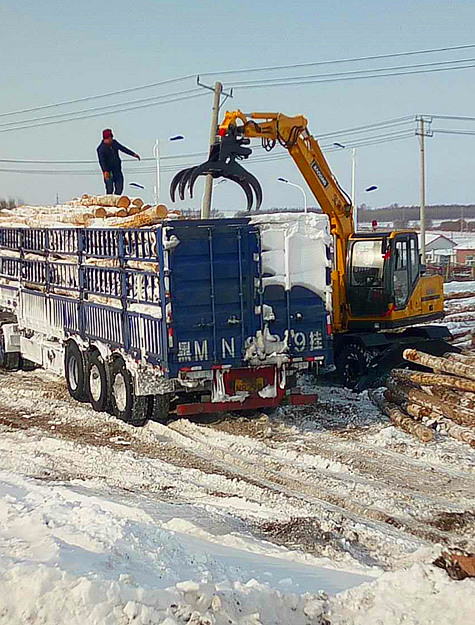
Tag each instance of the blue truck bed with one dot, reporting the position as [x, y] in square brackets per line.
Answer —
[190, 295]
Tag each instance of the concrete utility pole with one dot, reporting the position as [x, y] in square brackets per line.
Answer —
[206, 206]
[423, 196]
[423, 131]
[353, 187]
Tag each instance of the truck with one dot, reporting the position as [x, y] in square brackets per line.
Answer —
[187, 317]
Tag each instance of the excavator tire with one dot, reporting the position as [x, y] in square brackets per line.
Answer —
[351, 364]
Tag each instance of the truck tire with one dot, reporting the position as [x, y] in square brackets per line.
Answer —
[8, 360]
[351, 364]
[127, 406]
[75, 372]
[96, 382]
[159, 408]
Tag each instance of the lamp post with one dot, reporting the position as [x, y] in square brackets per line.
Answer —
[292, 184]
[156, 155]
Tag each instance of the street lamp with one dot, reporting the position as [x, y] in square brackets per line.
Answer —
[156, 155]
[292, 184]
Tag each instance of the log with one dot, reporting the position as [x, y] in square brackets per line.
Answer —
[136, 201]
[458, 399]
[403, 421]
[133, 210]
[420, 378]
[100, 213]
[119, 201]
[150, 217]
[437, 406]
[440, 364]
[413, 410]
[461, 433]
[463, 358]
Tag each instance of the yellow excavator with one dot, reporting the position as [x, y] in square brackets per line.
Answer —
[380, 291]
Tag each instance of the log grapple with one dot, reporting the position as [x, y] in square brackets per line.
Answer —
[229, 148]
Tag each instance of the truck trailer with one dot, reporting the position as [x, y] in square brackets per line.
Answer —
[187, 317]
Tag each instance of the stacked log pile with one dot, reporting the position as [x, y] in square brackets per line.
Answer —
[423, 403]
[460, 317]
[97, 211]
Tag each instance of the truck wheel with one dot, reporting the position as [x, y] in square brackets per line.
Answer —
[8, 360]
[97, 382]
[127, 406]
[74, 372]
[351, 364]
[159, 408]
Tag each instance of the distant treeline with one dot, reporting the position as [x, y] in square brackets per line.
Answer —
[10, 203]
[395, 212]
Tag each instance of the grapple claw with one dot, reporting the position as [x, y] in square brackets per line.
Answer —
[222, 164]
[183, 182]
[175, 182]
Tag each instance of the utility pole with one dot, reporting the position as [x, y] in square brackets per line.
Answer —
[206, 206]
[423, 131]
[423, 195]
[353, 187]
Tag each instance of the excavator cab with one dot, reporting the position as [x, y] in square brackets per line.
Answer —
[387, 286]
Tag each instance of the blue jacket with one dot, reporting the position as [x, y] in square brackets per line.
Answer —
[108, 155]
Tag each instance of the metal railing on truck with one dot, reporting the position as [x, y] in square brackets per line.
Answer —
[56, 283]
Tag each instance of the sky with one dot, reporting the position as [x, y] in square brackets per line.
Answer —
[55, 51]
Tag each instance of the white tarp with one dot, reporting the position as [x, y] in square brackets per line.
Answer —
[295, 251]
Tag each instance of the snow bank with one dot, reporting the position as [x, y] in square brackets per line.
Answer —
[72, 554]
[422, 595]
[457, 287]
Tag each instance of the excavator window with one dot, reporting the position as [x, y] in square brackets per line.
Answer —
[401, 276]
[366, 286]
[367, 263]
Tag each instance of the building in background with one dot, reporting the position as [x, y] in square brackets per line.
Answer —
[466, 253]
[440, 250]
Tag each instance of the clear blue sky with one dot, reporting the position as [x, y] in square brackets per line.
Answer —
[52, 51]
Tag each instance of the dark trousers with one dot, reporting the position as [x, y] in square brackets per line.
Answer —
[115, 183]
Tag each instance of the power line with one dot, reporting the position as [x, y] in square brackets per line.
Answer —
[453, 117]
[334, 61]
[106, 109]
[291, 81]
[396, 121]
[308, 82]
[197, 94]
[454, 132]
[352, 72]
[96, 97]
[237, 71]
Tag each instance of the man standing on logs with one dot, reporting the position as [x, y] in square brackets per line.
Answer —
[109, 160]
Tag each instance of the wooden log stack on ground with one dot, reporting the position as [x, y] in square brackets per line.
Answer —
[423, 403]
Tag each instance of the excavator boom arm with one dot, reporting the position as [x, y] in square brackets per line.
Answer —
[293, 134]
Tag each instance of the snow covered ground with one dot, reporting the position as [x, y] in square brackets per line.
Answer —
[315, 514]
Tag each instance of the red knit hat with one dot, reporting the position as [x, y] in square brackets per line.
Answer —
[107, 134]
